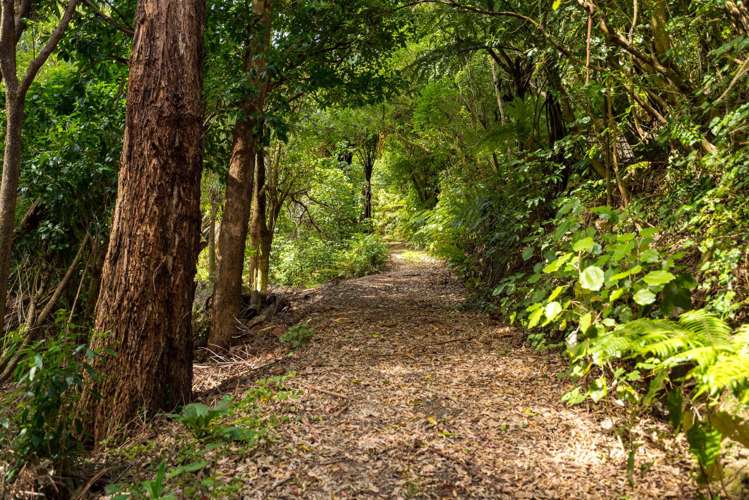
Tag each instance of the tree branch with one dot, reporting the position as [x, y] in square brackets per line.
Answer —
[49, 47]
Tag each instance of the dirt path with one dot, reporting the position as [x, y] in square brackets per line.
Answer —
[405, 394]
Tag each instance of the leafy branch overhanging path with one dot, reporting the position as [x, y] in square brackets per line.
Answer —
[403, 393]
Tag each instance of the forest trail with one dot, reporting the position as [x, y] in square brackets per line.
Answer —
[405, 393]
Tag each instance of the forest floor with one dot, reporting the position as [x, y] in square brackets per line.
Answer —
[405, 392]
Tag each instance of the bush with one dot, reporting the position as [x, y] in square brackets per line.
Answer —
[297, 336]
[365, 254]
[622, 305]
[48, 379]
[313, 261]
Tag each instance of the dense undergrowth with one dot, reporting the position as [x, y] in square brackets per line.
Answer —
[645, 288]
[581, 165]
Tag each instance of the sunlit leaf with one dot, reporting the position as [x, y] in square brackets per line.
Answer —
[592, 278]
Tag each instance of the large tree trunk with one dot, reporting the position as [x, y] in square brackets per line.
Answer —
[232, 239]
[143, 315]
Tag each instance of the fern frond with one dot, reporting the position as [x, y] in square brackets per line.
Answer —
[708, 326]
[610, 346]
[704, 356]
[729, 372]
[740, 339]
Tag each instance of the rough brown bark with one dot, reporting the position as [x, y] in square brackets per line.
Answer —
[143, 314]
[239, 188]
[232, 235]
[259, 235]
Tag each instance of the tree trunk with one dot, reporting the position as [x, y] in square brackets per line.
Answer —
[230, 260]
[368, 167]
[212, 237]
[9, 190]
[144, 310]
[12, 25]
[230, 256]
[259, 234]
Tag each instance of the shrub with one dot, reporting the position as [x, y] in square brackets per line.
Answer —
[48, 379]
[622, 305]
[297, 336]
[312, 260]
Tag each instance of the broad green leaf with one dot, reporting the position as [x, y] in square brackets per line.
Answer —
[658, 278]
[625, 274]
[585, 321]
[644, 297]
[650, 255]
[182, 469]
[557, 264]
[534, 318]
[616, 295]
[558, 290]
[584, 245]
[527, 253]
[552, 310]
[592, 278]
[574, 397]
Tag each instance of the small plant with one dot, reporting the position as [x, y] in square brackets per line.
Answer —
[198, 417]
[48, 378]
[297, 336]
[154, 489]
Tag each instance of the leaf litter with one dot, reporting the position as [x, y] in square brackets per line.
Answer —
[403, 392]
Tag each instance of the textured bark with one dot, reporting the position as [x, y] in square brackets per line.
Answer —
[260, 237]
[232, 238]
[232, 235]
[212, 237]
[143, 314]
[8, 191]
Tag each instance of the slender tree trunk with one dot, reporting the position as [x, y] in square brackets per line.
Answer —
[260, 259]
[613, 137]
[658, 21]
[230, 255]
[9, 190]
[497, 91]
[12, 24]
[232, 239]
[212, 237]
[14, 109]
[144, 311]
[368, 168]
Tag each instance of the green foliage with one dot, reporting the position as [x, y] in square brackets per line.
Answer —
[623, 307]
[313, 261]
[297, 336]
[226, 428]
[198, 417]
[365, 254]
[41, 425]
